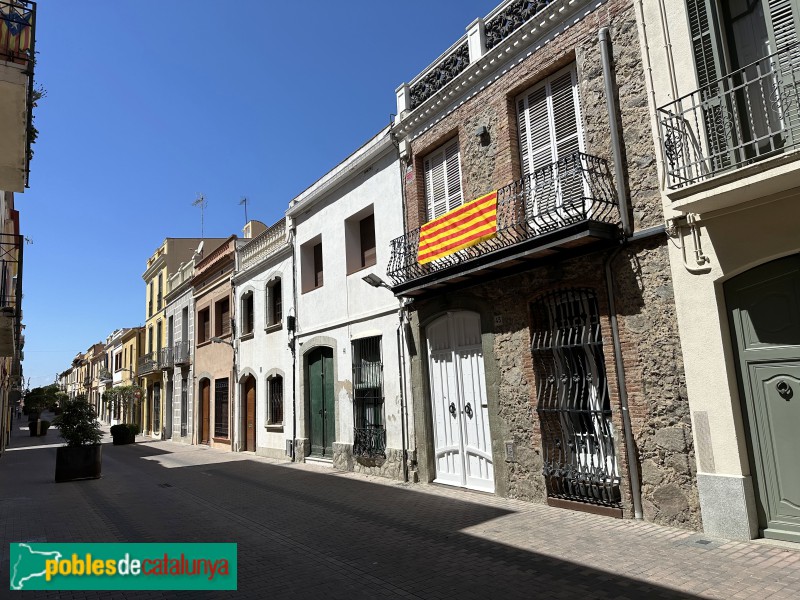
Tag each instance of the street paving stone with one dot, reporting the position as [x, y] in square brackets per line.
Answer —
[309, 531]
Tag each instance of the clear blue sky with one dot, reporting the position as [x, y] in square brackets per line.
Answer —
[149, 103]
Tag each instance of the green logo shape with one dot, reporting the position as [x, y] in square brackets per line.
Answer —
[45, 566]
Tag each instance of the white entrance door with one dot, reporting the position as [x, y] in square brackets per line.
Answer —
[462, 444]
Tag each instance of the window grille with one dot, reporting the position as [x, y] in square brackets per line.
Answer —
[275, 400]
[156, 408]
[369, 437]
[221, 408]
[184, 406]
[573, 405]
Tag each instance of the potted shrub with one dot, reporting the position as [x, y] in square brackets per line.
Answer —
[124, 434]
[81, 457]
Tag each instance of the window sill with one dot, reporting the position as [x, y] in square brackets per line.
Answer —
[275, 327]
[219, 440]
[306, 291]
[247, 336]
[359, 269]
[274, 427]
[201, 344]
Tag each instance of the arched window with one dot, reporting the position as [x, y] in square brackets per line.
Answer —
[275, 396]
[247, 313]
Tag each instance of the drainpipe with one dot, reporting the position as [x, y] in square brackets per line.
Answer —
[401, 380]
[293, 346]
[616, 144]
[627, 231]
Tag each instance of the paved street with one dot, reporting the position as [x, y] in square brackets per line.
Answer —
[307, 531]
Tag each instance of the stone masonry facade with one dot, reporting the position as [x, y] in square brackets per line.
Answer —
[641, 276]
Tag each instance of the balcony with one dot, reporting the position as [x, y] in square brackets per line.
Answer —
[557, 210]
[11, 338]
[734, 128]
[18, 24]
[148, 363]
[165, 360]
[181, 354]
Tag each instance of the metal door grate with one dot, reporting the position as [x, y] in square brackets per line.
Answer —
[369, 436]
[580, 461]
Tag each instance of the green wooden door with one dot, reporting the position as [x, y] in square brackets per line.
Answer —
[764, 310]
[320, 395]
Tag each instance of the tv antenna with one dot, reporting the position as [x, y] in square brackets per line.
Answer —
[202, 203]
[244, 201]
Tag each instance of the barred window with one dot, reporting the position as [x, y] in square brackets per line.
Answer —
[275, 395]
[369, 437]
[572, 398]
[184, 406]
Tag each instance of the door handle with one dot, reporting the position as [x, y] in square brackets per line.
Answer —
[468, 410]
[785, 390]
[453, 410]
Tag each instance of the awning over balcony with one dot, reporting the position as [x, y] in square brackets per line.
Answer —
[554, 212]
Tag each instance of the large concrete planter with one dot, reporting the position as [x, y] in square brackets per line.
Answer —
[78, 462]
[124, 437]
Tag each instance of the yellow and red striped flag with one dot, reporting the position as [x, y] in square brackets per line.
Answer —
[465, 226]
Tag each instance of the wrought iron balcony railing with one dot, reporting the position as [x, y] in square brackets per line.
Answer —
[166, 358]
[743, 117]
[148, 363]
[369, 442]
[180, 353]
[18, 23]
[574, 189]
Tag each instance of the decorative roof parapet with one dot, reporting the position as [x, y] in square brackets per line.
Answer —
[513, 27]
[440, 75]
[225, 250]
[183, 274]
[263, 245]
[511, 18]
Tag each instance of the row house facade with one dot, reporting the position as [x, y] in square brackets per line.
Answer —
[17, 98]
[132, 340]
[547, 364]
[176, 360]
[264, 297]
[165, 261]
[214, 354]
[349, 398]
[725, 109]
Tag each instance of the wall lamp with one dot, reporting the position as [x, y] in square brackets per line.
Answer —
[219, 340]
[376, 281]
[482, 133]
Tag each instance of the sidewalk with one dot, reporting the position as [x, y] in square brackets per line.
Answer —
[307, 531]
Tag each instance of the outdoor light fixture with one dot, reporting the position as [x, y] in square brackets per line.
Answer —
[375, 281]
[482, 133]
[219, 340]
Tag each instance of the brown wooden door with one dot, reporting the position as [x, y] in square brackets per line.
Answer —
[205, 409]
[250, 414]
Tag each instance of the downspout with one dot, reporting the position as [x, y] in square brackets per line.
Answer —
[613, 111]
[616, 144]
[292, 346]
[401, 381]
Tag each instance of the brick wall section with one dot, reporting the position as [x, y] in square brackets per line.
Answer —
[497, 164]
[645, 307]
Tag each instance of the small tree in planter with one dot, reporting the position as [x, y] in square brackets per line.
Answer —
[81, 457]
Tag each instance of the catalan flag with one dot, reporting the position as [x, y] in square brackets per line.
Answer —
[15, 33]
[465, 226]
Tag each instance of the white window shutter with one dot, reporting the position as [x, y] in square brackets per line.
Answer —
[443, 180]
